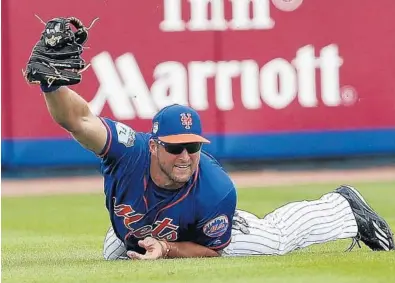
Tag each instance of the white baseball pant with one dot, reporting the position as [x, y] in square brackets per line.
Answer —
[293, 226]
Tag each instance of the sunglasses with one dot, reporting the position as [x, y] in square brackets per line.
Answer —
[178, 148]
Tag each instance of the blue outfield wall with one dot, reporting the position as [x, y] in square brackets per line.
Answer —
[67, 152]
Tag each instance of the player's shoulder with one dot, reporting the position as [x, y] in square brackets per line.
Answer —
[125, 136]
[124, 147]
[214, 182]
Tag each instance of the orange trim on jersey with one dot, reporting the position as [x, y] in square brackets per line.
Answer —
[183, 197]
[221, 246]
[145, 183]
[145, 188]
[127, 235]
[107, 148]
[146, 203]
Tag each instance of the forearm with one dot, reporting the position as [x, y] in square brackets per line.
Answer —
[188, 249]
[72, 112]
[67, 108]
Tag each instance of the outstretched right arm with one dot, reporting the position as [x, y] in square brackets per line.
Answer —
[55, 62]
[72, 112]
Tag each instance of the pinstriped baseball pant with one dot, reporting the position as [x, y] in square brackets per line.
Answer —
[293, 226]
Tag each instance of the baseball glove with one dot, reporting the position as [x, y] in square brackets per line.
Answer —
[56, 57]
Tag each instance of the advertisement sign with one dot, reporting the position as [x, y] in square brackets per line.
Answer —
[270, 78]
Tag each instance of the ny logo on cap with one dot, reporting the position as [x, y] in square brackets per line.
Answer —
[186, 120]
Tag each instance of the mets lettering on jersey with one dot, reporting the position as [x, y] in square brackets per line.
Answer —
[160, 229]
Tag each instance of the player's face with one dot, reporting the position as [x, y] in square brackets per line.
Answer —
[178, 161]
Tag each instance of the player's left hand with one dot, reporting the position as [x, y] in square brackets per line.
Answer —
[56, 58]
[154, 250]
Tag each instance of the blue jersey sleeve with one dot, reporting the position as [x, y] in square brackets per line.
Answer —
[215, 228]
[123, 143]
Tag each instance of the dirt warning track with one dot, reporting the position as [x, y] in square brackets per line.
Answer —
[94, 184]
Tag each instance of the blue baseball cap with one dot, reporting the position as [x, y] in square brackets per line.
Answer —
[177, 124]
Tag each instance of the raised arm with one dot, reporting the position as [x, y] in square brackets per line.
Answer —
[72, 112]
[56, 63]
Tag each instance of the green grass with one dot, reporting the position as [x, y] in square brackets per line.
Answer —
[59, 239]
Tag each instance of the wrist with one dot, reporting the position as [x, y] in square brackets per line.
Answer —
[165, 248]
[45, 88]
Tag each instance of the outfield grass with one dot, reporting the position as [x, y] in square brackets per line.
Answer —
[59, 239]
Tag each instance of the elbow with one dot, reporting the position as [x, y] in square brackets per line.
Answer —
[67, 126]
[73, 124]
[72, 120]
[71, 127]
[213, 253]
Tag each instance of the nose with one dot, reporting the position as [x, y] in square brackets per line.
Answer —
[184, 155]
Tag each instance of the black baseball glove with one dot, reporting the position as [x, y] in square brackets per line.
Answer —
[56, 57]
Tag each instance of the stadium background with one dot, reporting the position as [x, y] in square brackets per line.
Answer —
[304, 80]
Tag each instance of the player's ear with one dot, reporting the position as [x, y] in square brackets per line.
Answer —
[153, 147]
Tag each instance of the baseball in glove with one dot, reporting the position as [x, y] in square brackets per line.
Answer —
[56, 58]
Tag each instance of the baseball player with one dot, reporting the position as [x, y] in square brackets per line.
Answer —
[166, 197]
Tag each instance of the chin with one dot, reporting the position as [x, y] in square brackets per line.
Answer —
[182, 178]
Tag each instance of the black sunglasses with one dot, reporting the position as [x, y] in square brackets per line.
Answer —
[178, 148]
